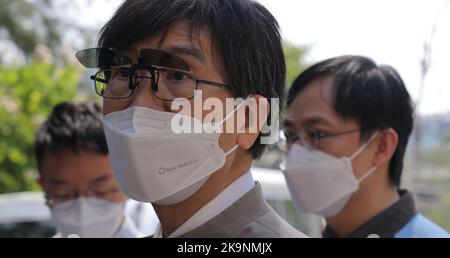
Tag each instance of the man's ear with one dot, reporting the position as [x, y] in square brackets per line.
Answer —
[386, 144]
[256, 110]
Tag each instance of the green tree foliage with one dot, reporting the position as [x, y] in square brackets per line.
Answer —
[27, 96]
[295, 61]
[29, 92]
[28, 23]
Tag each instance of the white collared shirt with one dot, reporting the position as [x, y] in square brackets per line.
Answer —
[128, 229]
[221, 202]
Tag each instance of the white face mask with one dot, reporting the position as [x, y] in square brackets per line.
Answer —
[320, 183]
[154, 164]
[88, 217]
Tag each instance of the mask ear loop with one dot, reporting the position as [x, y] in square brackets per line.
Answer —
[368, 173]
[228, 117]
[232, 113]
[361, 149]
[232, 150]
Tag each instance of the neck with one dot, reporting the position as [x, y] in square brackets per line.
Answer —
[366, 203]
[173, 216]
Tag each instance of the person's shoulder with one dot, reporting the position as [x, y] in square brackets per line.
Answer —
[421, 227]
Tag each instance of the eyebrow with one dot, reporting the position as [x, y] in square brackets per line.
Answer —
[314, 120]
[188, 51]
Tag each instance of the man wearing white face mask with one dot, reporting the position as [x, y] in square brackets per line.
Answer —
[346, 132]
[76, 175]
[199, 183]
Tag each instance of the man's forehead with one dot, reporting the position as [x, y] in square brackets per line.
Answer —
[313, 104]
[177, 37]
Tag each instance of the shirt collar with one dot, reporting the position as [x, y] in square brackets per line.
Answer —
[221, 202]
[386, 223]
[128, 229]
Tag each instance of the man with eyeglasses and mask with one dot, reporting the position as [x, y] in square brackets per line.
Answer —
[154, 55]
[346, 131]
[76, 175]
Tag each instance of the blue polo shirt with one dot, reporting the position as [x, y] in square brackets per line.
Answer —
[400, 220]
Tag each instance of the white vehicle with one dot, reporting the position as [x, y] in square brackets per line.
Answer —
[26, 214]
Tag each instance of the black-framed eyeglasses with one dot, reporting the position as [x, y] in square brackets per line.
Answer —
[167, 84]
[118, 78]
[310, 138]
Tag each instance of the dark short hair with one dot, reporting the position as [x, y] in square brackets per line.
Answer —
[373, 95]
[244, 34]
[73, 127]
